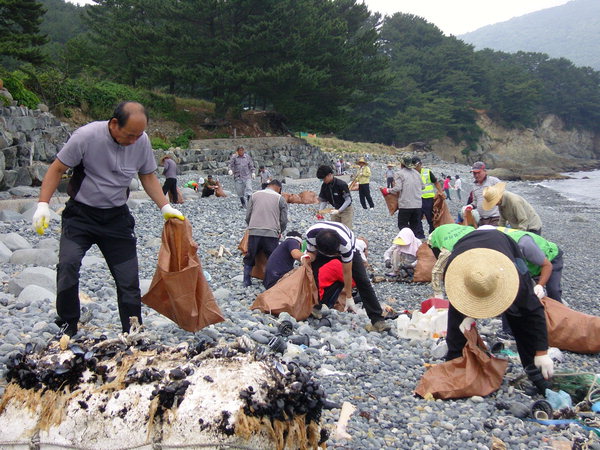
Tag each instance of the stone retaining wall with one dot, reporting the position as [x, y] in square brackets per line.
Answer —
[30, 140]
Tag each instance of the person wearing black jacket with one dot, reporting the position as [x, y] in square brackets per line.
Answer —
[337, 193]
[486, 276]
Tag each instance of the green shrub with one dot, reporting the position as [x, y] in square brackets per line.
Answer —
[183, 140]
[158, 142]
[14, 82]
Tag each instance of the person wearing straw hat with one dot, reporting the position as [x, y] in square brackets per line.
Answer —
[408, 187]
[514, 209]
[363, 177]
[487, 277]
[389, 175]
[442, 242]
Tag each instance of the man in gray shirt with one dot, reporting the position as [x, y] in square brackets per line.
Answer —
[482, 180]
[105, 156]
[267, 219]
[241, 167]
[408, 186]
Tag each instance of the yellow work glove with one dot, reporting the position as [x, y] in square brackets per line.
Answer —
[41, 218]
[169, 212]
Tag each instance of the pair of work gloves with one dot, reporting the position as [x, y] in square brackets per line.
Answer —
[542, 362]
[41, 217]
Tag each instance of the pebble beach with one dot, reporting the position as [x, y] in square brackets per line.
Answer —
[375, 372]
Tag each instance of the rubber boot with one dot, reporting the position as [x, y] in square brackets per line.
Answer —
[535, 376]
[247, 275]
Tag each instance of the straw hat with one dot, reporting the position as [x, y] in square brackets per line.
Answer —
[361, 161]
[481, 283]
[492, 195]
[390, 164]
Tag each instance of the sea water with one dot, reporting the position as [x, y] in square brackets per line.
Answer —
[580, 187]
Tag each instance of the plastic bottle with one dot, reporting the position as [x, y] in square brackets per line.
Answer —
[402, 323]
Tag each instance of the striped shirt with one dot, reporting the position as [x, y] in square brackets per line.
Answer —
[347, 239]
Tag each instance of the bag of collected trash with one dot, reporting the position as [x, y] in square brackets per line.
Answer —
[474, 373]
[441, 213]
[219, 192]
[571, 330]
[179, 289]
[295, 293]
[294, 198]
[391, 201]
[308, 197]
[260, 261]
[180, 198]
[425, 262]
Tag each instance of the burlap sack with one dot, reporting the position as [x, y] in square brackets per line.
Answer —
[476, 372]
[260, 261]
[441, 213]
[179, 289]
[180, 198]
[219, 192]
[294, 198]
[308, 197]
[425, 262]
[295, 293]
[571, 330]
[391, 201]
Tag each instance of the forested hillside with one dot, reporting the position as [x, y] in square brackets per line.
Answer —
[570, 31]
[323, 66]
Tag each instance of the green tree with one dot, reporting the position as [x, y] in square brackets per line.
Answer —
[20, 36]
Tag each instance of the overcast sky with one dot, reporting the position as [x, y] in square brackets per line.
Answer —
[461, 16]
[454, 16]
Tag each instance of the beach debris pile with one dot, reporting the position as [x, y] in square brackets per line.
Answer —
[101, 393]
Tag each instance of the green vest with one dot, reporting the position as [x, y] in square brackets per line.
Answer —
[550, 249]
[428, 191]
[446, 236]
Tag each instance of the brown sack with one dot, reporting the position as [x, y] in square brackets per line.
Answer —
[308, 197]
[441, 213]
[179, 289]
[294, 198]
[180, 198]
[295, 293]
[260, 262]
[571, 330]
[425, 262]
[286, 196]
[219, 192]
[474, 373]
[391, 200]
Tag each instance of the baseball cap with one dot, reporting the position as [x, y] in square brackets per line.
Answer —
[477, 166]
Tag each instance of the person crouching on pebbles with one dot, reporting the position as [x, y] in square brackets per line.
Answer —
[487, 277]
[333, 240]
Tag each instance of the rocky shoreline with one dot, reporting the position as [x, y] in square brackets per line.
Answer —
[375, 372]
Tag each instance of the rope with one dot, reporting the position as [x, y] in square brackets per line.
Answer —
[36, 444]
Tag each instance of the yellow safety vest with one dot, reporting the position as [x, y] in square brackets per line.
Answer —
[428, 191]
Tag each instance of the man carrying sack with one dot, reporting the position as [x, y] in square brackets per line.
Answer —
[487, 277]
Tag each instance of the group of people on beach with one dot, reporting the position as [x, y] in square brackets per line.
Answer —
[487, 264]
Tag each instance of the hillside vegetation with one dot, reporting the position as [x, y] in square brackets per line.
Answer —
[294, 65]
[569, 31]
